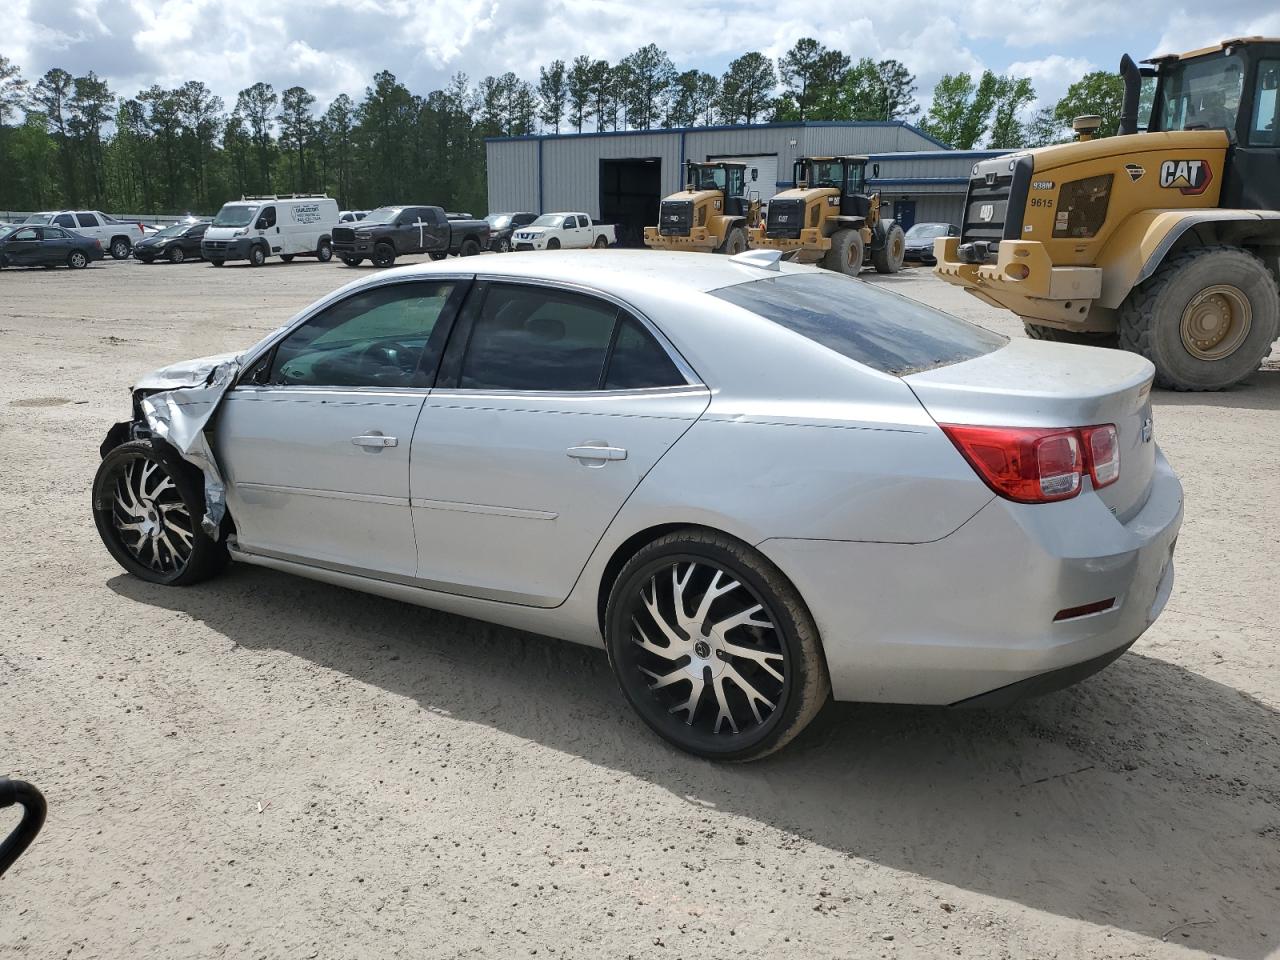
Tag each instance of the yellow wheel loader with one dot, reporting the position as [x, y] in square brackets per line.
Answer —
[1165, 243]
[710, 215]
[828, 218]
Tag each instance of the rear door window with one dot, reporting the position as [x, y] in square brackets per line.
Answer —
[882, 330]
[87, 219]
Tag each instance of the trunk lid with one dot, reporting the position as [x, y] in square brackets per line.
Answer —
[1029, 383]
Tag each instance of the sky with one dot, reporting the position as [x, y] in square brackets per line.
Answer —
[336, 47]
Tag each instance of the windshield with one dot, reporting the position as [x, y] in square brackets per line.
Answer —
[382, 215]
[707, 178]
[39, 218]
[498, 221]
[884, 331]
[927, 231]
[7, 229]
[234, 215]
[174, 230]
[1200, 94]
[828, 173]
[548, 220]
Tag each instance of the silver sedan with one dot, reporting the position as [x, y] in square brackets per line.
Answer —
[757, 485]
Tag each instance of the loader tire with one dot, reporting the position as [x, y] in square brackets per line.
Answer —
[735, 242]
[1206, 318]
[846, 253]
[1087, 338]
[888, 259]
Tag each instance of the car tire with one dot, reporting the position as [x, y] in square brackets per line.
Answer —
[147, 507]
[438, 255]
[735, 242]
[846, 253]
[176, 254]
[502, 245]
[553, 243]
[1087, 338]
[888, 259]
[470, 247]
[384, 255]
[120, 248]
[324, 252]
[1171, 318]
[217, 263]
[774, 651]
[77, 260]
[287, 257]
[353, 261]
[257, 256]
[601, 243]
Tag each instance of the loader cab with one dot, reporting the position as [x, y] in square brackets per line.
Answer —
[729, 179]
[1232, 87]
[848, 175]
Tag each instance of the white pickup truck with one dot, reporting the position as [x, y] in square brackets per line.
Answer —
[552, 231]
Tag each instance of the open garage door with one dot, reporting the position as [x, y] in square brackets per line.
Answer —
[630, 194]
[762, 173]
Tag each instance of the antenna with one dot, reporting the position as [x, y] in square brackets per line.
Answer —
[764, 259]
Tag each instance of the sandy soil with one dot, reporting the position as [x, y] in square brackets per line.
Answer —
[267, 767]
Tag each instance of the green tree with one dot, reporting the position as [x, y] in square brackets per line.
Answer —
[1013, 95]
[961, 110]
[693, 100]
[89, 110]
[339, 124]
[1099, 93]
[256, 104]
[50, 97]
[237, 148]
[386, 120]
[604, 102]
[165, 125]
[200, 112]
[812, 75]
[746, 89]
[13, 90]
[650, 76]
[553, 92]
[579, 93]
[883, 90]
[296, 131]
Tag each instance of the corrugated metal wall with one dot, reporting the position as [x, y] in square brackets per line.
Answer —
[513, 176]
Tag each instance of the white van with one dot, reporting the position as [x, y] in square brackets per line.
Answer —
[284, 226]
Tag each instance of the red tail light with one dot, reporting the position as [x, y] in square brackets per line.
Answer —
[1038, 465]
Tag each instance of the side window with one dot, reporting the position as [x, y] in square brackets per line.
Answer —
[53, 233]
[87, 219]
[375, 338]
[583, 222]
[528, 338]
[1266, 106]
[28, 234]
[64, 220]
[638, 360]
[266, 218]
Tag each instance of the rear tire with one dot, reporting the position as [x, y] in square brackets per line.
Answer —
[384, 255]
[147, 509]
[120, 248]
[438, 255]
[888, 259]
[1087, 338]
[217, 263]
[77, 260]
[601, 243]
[470, 247]
[846, 253]
[735, 242]
[1206, 318]
[353, 261]
[775, 651]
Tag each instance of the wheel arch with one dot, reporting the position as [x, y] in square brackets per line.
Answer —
[1135, 251]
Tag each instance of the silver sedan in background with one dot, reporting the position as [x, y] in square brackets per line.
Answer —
[756, 484]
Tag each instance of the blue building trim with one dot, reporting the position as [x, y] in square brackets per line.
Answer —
[540, 179]
[782, 125]
[933, 154]
[921, 181]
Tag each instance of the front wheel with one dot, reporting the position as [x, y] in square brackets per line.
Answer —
[217, 263]
[713, 647]
[176, 254]
[888, 259]
[553, 243]
[120, 248]
[76, 260]
[1206, 318]
[148, 512]
[384, 255]
[324, 252]
[438, 255]
[257, 256]
[846, 253]
[353, 261]
[502, 245]
[735, 242]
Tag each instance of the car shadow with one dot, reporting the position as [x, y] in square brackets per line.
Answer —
[1143, 798]
[1259, 391]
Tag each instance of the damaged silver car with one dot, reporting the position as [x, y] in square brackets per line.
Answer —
[756, 484]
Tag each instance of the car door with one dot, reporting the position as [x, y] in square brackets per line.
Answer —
[265, 226]
[23, 248]
[55, 244]
[551, 407]
[190, 241]
[88, 225]
[315, 437]
[579, 236]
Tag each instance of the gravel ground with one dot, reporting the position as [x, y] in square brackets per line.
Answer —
[263, 766]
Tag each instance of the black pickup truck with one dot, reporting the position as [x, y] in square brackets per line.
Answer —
[390, 232]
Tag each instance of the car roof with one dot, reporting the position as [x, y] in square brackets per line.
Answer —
[614, 271]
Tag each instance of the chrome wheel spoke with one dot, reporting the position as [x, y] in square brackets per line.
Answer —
[158, 535]
[641, 639]
[754, 696]
[766, 659]
[714, 592]
[650, 599]
[743, 618]
[661, 680]
[689, 706]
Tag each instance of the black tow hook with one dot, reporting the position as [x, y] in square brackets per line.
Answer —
[33, 809]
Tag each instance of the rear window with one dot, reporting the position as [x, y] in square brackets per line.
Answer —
[882, 330]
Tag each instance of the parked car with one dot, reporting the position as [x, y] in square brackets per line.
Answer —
[285, 226]
[920, 239]
[116, 236]
[352, 216]
[501, 227]
[852, 494]
[46, 246]
[175, 243]
[396, 231]
[551, 231]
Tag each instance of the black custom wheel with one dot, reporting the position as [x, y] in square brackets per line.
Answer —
[176, 254]
[76, 260]
[384, 255]
[713, 647]
[148, 516]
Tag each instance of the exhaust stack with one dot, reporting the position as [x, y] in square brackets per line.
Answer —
[1132, 92]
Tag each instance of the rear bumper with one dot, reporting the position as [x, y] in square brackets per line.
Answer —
[973, 613]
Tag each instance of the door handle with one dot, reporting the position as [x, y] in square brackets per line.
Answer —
[589, 452]
[375, 440]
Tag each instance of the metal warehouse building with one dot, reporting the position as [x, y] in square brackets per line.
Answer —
[620, 177]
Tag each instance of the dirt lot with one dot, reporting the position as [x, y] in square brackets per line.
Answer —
[268, 767]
